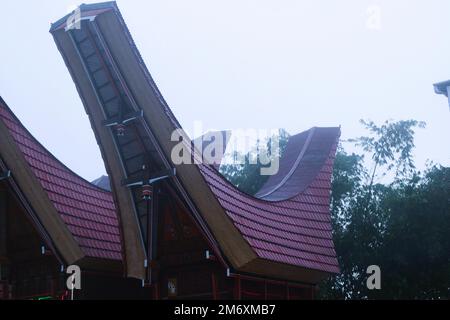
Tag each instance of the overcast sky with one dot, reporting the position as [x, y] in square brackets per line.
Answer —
[245, 64]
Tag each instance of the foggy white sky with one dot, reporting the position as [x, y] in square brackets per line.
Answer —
[245, 64]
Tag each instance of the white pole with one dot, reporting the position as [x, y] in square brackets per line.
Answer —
[73, 286]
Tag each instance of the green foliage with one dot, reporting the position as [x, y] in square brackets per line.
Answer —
[416, 248]
[402, 226]
[390, 145]
[246, 176]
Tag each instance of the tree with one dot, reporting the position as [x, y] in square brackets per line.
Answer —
[246, 176]
[416, 246]
[386, 213]
[399, 226]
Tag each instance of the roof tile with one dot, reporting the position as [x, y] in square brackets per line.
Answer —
[293, 230]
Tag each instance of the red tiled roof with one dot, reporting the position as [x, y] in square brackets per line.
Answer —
[296, 227]
[88, 211]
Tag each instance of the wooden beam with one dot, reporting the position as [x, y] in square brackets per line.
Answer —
[215, 293]
[152, 234]
[182, 259]
[3, 221]
[155, 290]
[134, 254]
[269, 281]
[265, 290]
[155, 221]
[148, 242]
[284, 272]
[237, 288]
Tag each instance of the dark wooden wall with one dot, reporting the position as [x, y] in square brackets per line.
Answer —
[26, 271]
[182, 265]
[29, 273]
[181, 268]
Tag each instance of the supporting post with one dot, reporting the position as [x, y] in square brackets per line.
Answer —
[237, 288]
[155, 220]
[265, 290]
[152, 235]
[287, 292]
[215, 293]
[155, 291]
[3, 227]
[149, 242]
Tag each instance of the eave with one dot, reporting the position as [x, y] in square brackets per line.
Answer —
[37, 198]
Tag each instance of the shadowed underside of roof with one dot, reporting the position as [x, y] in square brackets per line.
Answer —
[88, 211]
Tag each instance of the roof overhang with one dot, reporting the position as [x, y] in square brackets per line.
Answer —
[31, 191]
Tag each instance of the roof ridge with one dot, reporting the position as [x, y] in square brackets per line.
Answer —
[294, 166]
[8, 109]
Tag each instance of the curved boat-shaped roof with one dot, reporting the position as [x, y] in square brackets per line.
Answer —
[305, 155]
[288, 220]
[87, 211]
[286, 233]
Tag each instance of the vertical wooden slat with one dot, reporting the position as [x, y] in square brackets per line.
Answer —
[3, 229]
[265, 289]
[149, 209]
[154, 222]
[287, 292]
[155, 291]
[215, 293]
[237, 288]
